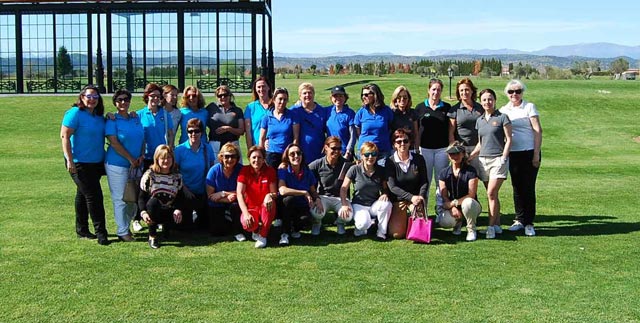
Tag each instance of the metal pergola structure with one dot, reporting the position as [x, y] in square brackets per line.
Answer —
[205, 43]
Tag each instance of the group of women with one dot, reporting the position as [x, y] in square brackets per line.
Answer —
[303, 160]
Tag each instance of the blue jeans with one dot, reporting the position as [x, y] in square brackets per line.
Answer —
[122, 212]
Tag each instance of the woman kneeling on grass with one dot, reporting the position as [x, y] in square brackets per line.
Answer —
[370, 197]
[160, 187]
[458, 184]
[256, 193]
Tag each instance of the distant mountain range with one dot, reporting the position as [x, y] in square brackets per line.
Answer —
[558, 56]
[592, 50]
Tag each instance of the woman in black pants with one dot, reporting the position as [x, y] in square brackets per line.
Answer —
[524, 159]
[82, 135]
[160, 188]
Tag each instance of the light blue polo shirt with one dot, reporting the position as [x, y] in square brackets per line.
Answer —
[375, 127]
[154, 126]
[255, 111]
[279, 132]
[87, 140]
[188, 114]
[192, 165]
[130, 134]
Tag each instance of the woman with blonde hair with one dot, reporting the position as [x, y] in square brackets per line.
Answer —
[313, 120]
[222, 183]
[370, 197]
[160, 190]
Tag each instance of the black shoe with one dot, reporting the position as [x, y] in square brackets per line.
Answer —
[103, 241]
[126, 238]
[154, 243]
[86, 235]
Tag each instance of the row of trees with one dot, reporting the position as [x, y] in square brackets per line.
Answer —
[484, 68]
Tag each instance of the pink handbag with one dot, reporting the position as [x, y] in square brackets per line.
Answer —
[419, 226]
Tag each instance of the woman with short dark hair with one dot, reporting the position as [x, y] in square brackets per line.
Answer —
[407, 180]
[82, 135]
[194, 157]
[125, 155]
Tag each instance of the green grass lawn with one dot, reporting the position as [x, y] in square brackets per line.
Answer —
[582, 265]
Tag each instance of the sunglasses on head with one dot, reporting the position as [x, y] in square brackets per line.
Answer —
[193, 131]
[518, 91]
[370, 154]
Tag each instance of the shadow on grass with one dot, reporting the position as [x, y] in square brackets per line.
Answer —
[582, 225]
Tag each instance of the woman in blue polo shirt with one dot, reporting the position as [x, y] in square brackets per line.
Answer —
[194, 157]
[222, 183]
[280, 128]
[297, 187]
[256, 110]
[82, 135]
[340, 121]
[373, 120]
[192, 103]
[125, 153]
[313, 120]
[156, 122]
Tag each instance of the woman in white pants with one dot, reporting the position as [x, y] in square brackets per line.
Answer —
[370, 199]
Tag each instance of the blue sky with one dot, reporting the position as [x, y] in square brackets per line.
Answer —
[414, 27]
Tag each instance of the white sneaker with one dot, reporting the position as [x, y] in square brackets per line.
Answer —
[340, 228]
[296, 234]
[516, 226]
[284, 239]
[255, 236]
[261, 242]
[457, 229]
[276, 223]
[381, 236]
[137, 227]
[471, 235]
[194, 216]
[529, 231]
[491, 232]
[240, 237]
[359, 233]
[315, 229]
[498, 229]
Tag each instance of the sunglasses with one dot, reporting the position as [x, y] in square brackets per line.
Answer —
[229, 156]
[123, 100]
[222, 95]
[518, 91]
[154, 96]
[366, 94]
[335, 148]
[403, 97]
[280, 90]
[402, 141]
[193, 131]
[92, 96]
[370, 154]
[295, 153]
